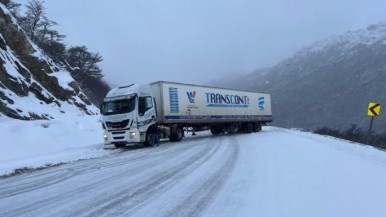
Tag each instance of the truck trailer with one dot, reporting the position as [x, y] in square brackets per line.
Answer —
[131, 114]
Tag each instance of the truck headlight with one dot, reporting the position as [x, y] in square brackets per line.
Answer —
[105, 136]
[132, 135]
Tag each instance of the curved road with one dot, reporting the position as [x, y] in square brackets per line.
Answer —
[276, 172]
[174, 179]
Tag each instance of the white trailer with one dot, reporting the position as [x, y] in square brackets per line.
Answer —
[130, 113]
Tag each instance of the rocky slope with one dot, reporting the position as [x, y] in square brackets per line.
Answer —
[31, 85]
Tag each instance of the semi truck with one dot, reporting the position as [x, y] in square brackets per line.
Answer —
[132, 114]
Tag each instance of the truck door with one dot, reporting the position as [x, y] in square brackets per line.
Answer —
[146, 113]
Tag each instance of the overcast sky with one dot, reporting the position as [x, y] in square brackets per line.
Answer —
[197, 41]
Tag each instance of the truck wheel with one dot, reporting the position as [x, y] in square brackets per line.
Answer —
[215, 130]
[179, 134]
[248, 127]
[233, 128]
[257, 127]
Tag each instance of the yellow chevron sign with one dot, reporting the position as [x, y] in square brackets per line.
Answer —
[374, 109]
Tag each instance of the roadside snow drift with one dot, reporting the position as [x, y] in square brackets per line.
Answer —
[39, 143]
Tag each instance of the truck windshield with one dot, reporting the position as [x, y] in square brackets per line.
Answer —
[118, 106]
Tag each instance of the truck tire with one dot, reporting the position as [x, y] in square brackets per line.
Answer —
[179, 134]
[247, 127]
[215, 130]
[250, 128]
[257, 127]
[233, 128]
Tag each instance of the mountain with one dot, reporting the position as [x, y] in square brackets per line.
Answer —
[328, 83]
[32, 86]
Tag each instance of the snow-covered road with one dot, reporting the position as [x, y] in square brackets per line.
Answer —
[276, 172]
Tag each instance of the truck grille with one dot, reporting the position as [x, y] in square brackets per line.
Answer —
[119, 137]
[117, 125]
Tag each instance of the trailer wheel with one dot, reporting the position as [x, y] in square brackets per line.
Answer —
[257, 127]
[248, 127]
[233, 128]
[215, 130]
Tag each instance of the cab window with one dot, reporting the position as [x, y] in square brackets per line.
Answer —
[144, 104]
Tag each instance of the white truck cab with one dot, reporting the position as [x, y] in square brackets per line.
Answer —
[127, 113]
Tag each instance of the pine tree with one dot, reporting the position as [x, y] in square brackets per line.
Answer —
[84, 61]
[83, 66]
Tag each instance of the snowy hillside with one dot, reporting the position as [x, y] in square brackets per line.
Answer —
[276, 172]
[373, 34]
[328, 83]
[31, 85]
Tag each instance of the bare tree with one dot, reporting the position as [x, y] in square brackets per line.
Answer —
[39, 29]
[34, 17]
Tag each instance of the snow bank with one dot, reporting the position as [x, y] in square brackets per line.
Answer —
[39, 143]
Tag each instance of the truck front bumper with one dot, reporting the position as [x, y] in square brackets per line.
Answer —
[123, 136]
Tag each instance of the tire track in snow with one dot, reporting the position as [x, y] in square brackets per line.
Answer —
[39, 179]
[126, 203]
[199, 199]
[146, 159]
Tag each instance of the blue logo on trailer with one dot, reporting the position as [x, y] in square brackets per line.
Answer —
[226, 100]
[261, 103]
[191, 96]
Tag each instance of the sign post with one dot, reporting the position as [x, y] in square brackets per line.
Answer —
[373, 110]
